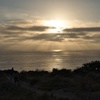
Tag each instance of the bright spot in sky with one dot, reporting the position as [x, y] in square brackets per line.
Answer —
[58, 25]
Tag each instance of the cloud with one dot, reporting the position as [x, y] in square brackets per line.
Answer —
[32, 28]
[80, 23]
[95, 37]
[54, 37]
[87, 29]
[22, 22]
[24, 30]
[47, 37]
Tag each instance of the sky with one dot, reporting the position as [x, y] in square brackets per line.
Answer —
[49, 25]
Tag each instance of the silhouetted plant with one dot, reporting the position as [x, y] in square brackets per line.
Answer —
[34, 81]
[62, 72]
[93, 66]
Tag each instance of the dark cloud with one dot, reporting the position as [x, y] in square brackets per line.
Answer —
[46, 37]
[87, 29]
[73, 35]
[57, 37]
[95, 37]
[32, 28]
[20, 33]
[39, 28]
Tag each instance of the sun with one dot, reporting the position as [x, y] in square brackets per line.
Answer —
[57, 24]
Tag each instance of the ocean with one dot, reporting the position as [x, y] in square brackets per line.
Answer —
[46, 61]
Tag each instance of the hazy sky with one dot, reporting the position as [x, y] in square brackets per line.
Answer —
[25, 25]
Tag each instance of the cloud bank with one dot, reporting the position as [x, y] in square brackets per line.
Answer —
[21, 32]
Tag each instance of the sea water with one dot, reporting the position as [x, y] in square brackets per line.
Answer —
[46, 60]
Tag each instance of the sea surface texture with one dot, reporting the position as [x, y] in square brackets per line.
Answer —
[46, 61]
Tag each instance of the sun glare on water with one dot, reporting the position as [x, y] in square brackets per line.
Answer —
[57, 50]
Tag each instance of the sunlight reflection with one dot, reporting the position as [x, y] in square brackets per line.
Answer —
[56, 62]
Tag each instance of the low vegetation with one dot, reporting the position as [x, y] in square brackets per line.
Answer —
[83, 82]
